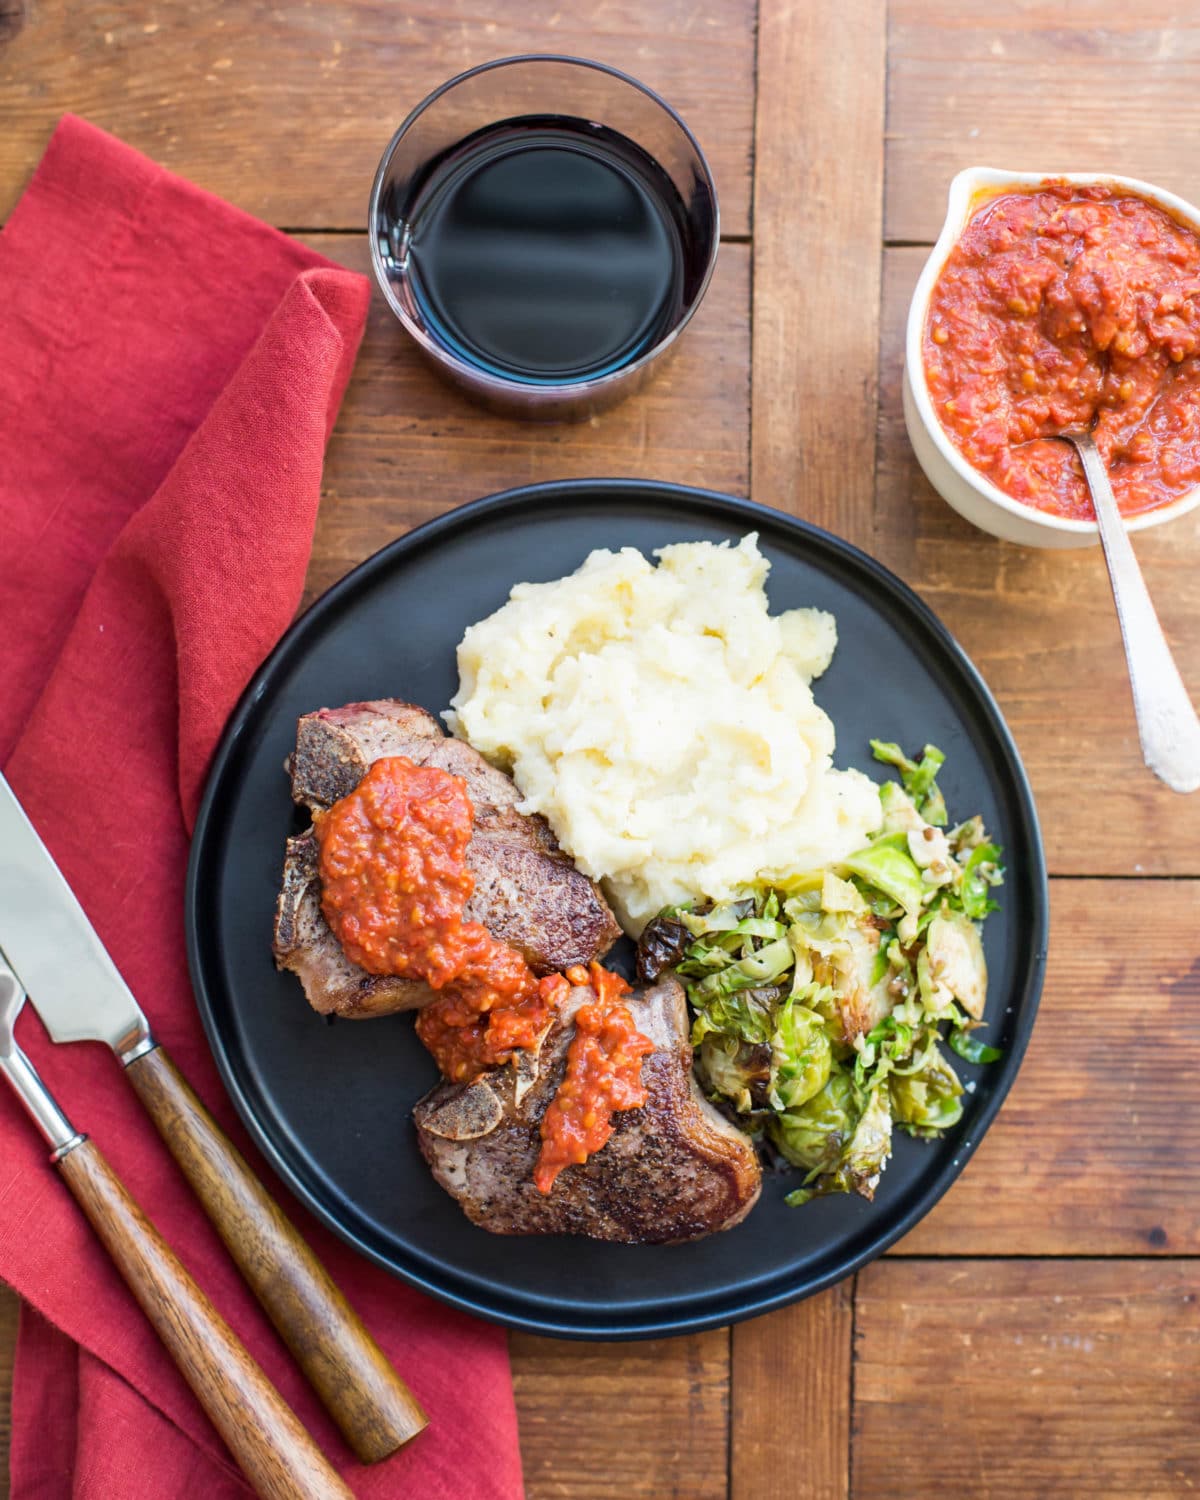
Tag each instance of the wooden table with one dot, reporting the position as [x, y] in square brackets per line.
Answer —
[1039, 1334]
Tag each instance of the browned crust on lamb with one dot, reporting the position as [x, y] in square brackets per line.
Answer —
[673, 1170]
[336, 746]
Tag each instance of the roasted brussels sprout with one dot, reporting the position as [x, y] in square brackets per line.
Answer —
[930, 1100]
[952, 965]
[867, 1151]
[802, 1057]
[821, 1001]
[813, 1136]
[738, 1071]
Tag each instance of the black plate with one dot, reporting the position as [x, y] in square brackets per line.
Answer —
[330, 1104]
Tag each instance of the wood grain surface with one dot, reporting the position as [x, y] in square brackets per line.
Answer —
[657, 1417]
[1027, 1378]
[816, 246]
[285, 109]
[1038, 86]
[790, 1385]
[1037, 1334]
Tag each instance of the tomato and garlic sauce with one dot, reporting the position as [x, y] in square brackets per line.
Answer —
[604, 1075]
[394, 884]
[1059, 308]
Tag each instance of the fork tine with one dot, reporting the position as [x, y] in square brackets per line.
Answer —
[12, 998]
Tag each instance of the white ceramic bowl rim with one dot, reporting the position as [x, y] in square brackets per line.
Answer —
[963, 191]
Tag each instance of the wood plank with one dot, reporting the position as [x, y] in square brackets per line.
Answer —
[1011, 1379]
[790, 1384]
[407, 447]
[816, 259]
[285, 108]
[1040, 626]
[1096, 1150]
[816, 311]
[8, 1343]
[1040, 86]
[656, 1418]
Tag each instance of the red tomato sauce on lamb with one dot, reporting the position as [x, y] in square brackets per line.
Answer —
[604, 1075]
[394, 883]
[1058, 308]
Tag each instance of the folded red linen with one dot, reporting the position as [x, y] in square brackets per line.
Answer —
[170, 371]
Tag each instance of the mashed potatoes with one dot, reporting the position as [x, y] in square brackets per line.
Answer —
[662, 721]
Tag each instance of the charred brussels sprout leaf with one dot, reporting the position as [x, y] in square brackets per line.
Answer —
[952, 965]
[860, 1162]
[737, 1071]
[747, 1017]
[764, 966]
[887, 865]
[662, 945]
[821, 1001]
[868, 1149]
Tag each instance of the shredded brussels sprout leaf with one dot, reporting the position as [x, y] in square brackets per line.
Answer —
[821, 1003]
[917, 777]
[973, 1050]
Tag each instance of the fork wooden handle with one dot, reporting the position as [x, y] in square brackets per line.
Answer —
[273, 1449]
[375, 1410]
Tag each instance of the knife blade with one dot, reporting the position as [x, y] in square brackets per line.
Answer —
[80, 995]
[71, 981]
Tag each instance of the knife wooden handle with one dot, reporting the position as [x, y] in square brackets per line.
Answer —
[375, 1410]
[263, 1433]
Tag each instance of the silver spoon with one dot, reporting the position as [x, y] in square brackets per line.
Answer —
[1167, 724]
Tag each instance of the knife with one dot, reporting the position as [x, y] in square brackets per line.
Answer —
[77, 990]
[263, 1433]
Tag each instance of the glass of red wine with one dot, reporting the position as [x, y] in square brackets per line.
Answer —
[544, 227]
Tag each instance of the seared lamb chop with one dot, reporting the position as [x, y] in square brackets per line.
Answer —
[527, 892]
[673, 1170]
[304, 943]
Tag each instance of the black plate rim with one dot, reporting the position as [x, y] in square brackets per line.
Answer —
[780, 1290]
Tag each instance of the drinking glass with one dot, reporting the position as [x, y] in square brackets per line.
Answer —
[549, 264]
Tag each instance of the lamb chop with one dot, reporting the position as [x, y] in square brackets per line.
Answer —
[673, 1170]
[528, 893]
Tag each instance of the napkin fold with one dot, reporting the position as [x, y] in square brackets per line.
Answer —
[170, 372]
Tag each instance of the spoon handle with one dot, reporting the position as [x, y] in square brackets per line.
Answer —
[1167, 722]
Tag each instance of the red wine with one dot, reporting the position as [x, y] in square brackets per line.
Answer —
[548, 250]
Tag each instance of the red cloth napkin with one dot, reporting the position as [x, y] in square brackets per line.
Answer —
[170, 370]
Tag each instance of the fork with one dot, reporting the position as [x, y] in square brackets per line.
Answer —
[272, 1448]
